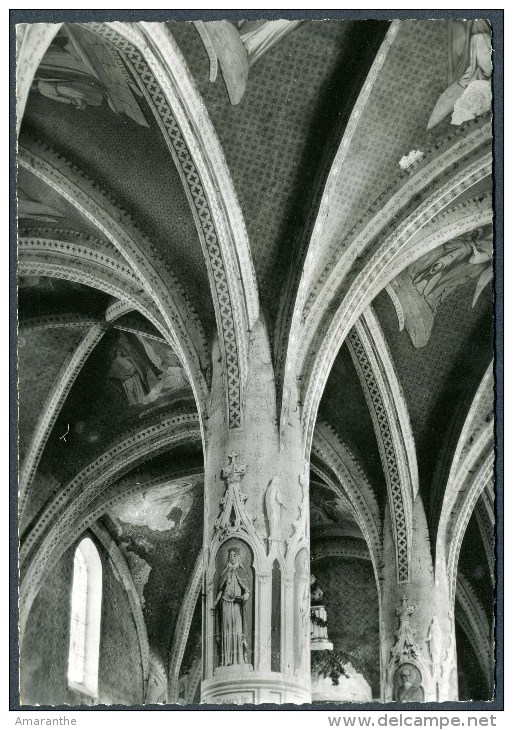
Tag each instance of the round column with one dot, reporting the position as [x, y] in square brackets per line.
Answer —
[418, 647]
[256, 617]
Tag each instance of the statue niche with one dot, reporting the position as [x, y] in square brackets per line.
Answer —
[233, 604]
[408, 684]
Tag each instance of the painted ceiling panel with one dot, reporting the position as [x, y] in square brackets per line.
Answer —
[159, 532]
[128, 380]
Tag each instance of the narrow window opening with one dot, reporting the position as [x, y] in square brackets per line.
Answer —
[86, 605]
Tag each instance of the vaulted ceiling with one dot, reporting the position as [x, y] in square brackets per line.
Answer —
[110, 407]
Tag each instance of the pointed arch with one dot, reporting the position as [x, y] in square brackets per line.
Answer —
[32, 41]
[171, 93]
[472, 619]
[182, 627]
[485, 517]
[328, 447]
[151, 271]
[75, 519]
[472, 471]
[394, 254]
[123, 572]
[130, 450]
[51, 409]
[389, 413]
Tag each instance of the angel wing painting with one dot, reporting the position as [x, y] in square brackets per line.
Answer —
[419, 290]
[80, 69]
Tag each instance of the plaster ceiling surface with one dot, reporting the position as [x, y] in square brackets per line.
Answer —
[413, 75]
[330, 516]
[133, 165]
[41, 354]
[293, 112]
[344, 408]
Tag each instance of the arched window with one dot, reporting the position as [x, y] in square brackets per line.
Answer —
[86, 611]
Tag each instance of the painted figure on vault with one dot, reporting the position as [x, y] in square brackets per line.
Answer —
[230, 607]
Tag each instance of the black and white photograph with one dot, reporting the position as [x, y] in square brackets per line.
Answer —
[258, 264]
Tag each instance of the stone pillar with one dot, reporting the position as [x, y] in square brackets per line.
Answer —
[418, 646]
[256, 647]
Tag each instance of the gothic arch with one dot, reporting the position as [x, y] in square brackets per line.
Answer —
[125, 453]
[191, 139]
[43, 255]
[464, 506]
[52, 407]
[472, 619]
[32, 41]
[123, 571]
[300, 280]
[486, 523]
[340, 548]
[435, 173]
[156, 277]
[78, 516]
[392, 257]
[56, 321]
[471, 471]
[389, 413]
[173, 98]
[407, 203]
[183, 625]
[355, 487]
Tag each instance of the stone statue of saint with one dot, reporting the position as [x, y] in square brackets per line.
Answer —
[434, 641]
[230, 608]
[408, 684]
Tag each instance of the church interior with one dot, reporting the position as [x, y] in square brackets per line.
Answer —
[255, 362]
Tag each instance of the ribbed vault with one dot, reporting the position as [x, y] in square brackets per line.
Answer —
[162, 231]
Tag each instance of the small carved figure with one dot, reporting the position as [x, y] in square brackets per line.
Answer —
[434, 641]
[232, 596]
[273, 505]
